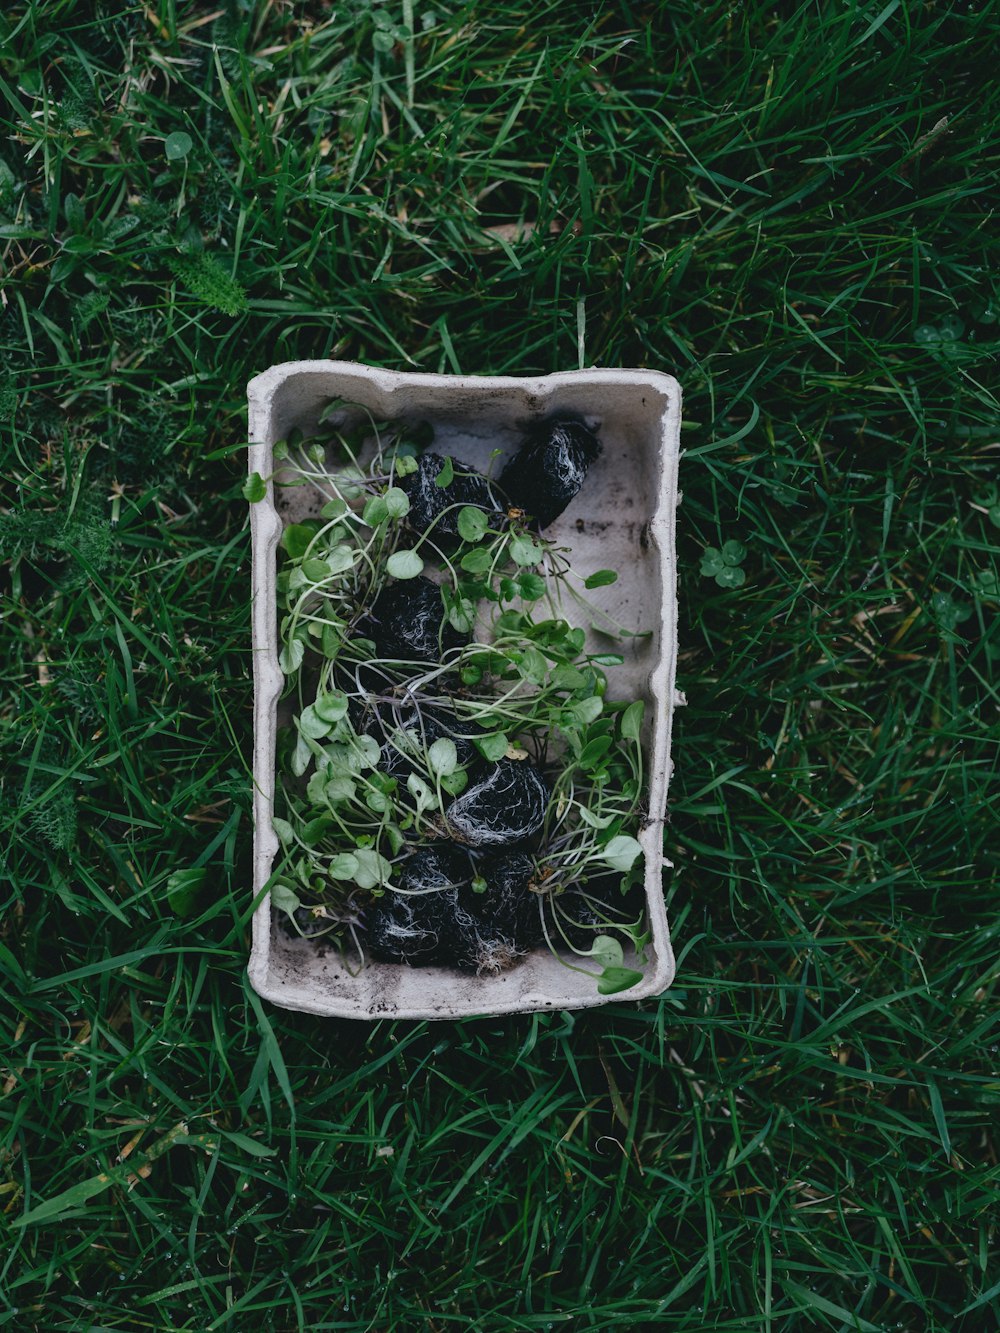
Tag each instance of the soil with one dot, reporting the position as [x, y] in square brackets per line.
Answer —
[549, 468]
[504, 808]
[407, 621]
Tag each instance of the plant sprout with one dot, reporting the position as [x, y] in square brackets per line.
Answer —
[453, 716]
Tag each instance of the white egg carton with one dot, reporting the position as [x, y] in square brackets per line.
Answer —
[623, 519]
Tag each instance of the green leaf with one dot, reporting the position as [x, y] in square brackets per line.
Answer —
[254, 488]
[373, 869]
[311, 725]
[335, 508]
[608, 659]
[447, 474]
[68, 1199]
[343, 866]
[290, 657]
[284, 831]
[621, 852]
[615, 979]
[296, 538]
[462, 614]
[420, 792]
[339, 789]
[397, 502]
[733, 553]
[301, 756]
[366, 751]
[730, 577]
[176, 146]
[523, 551]
[477, 561]
[492, 747]
[472, 523]
[566, 677]
[594, 751]
[331, 707]
[404, 564]
[455, 783]
[442, 757]
[75, 214]
[285, 899]
[594, 821]
[405, 465]
[607, 951]
[376, 511]
[533, 666]
[182, 890]
[531, 586]
[315, 830]
[631, 720]
[586, 711]
[601, 579]
[248, 1145]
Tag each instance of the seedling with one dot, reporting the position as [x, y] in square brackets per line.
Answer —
[456, 785]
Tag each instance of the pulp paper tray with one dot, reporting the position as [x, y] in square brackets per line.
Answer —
[623, 518]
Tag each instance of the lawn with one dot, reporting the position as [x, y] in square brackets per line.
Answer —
[793, 211]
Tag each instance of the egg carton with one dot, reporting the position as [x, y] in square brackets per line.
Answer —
[623, 518]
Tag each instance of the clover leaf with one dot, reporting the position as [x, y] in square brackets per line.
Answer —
[724, 565]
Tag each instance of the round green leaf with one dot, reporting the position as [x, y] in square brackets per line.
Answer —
[492, 747]
[284, 830]
[462, 614]
[607, 951]
[182, 890]
[397, 502]
[477, 561]
[472, 524]
[296, 538]
[254, 488]
[523, 551]
[404, 564]
[531, 586]
[312, 725]
[285, 899]
[621, 852]
[331, 707]
[177, 146]
[344, 866]
[373, 869]
[730, 576]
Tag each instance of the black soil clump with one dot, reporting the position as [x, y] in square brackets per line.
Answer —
[417, 923]
[549, 468]
[506, 903]
[437, 507]
[505, 807]
[407, 621]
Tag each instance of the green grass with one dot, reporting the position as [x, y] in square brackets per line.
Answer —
[802, 1133]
